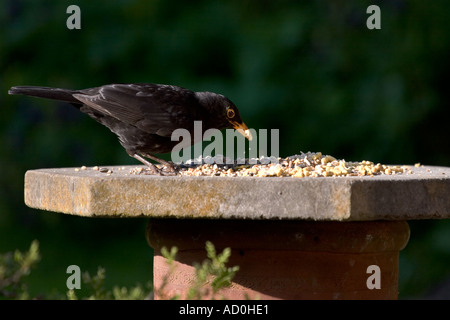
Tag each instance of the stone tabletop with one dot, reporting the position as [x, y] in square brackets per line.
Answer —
[422, 194]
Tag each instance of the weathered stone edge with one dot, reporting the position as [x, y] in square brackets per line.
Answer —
[183, 197]
[96, 194]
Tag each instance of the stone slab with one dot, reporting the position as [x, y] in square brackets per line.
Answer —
[424, 194]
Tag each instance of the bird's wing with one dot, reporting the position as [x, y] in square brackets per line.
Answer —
[157, 109]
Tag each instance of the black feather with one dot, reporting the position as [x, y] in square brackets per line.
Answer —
[143, 115]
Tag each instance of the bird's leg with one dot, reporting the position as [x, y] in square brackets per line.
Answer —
[147, 163]
[152, 166]
[162, 161]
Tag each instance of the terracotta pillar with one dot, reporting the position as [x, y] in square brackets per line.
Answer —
[286, 259]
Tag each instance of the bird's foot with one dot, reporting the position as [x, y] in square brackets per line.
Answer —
[160, 170]
[167, 169]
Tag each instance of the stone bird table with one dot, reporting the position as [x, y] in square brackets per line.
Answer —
[293, 238]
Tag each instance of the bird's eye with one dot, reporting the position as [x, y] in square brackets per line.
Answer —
[230, 113]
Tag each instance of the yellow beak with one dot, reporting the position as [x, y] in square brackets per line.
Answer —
[242, 129]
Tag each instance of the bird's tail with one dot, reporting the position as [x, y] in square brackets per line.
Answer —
[46, 93]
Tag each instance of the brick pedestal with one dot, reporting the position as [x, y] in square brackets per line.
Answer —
[286, 259]
[310, 238]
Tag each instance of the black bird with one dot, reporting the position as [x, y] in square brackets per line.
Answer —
[144, 115]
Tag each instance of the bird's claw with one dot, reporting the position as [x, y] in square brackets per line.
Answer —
[170, 171]
[166, 170]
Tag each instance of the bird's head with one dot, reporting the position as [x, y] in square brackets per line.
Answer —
[223, 113]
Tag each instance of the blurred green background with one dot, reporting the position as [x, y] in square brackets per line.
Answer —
[309, 68]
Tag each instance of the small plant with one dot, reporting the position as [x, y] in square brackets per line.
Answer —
[170, 261]
[210, 277]
[96, 290]
[14, 267]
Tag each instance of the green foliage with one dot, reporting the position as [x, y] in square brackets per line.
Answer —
[212, 275]
[96, 289]
[14, 267]
[169, 255]
[170, 261]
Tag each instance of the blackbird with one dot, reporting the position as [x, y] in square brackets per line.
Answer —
[144, 115]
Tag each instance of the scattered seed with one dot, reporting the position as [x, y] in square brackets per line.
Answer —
[298, 166]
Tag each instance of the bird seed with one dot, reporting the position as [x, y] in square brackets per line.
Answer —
[310, 164]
